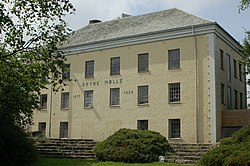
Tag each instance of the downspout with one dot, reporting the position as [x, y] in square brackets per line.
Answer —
[50, 110]
[196, 85]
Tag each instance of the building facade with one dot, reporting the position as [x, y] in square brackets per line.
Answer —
[168, 71]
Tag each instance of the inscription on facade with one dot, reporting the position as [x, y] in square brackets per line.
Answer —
[104, 82]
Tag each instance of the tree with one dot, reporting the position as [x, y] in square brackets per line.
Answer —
[244, 4]
[30, 33]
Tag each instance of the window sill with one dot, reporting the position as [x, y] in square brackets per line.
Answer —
[64, 109]
[92, 77]
[177, 102]
[144, 104]
[174, 69]
[88, 108]
[114, 106]
[175, 138]
[143, 72]
[118, 75]
[43, 109]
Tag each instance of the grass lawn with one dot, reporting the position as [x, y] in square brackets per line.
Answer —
[79, 162]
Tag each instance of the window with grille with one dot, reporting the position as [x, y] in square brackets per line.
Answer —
[142, 124]
[235, 99]
[235, 68]
[42, 128]
[174, 128]
[65, 100]
[115, 66]
[241, 101]
[222, 59]
[88, 99]
[142, 94]
[174, 59]
[114, 96]
[63, 130]
[43, 101]
[66, 72]
[143, 62]
[222, 94]
[89, 69]
[174, 92]
[240, 72]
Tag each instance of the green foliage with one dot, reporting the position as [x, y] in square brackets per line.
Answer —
[131, 146]
[233, 151]
[15, 147]
[30, 32]
[244, 4]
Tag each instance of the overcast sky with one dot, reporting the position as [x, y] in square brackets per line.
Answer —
[224, 12]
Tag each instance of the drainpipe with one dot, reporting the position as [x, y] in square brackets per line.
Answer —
[50, 110]
[196, 85]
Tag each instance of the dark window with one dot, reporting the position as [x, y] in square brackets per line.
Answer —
[229, 98]
[143, 94]
[88, 99]
[235, 69]
[240, 72]
[42, 128]
[241, 101]
[66, 71]
[174, 92]
[89, 69]
[114, 96]
[222, 59]
[174, 128]
[65, 100]
[63, 130]
[115, 66]
[43, 101]
[228, 68]
[235, 99]
[142, 124]
[174, 59]
[222, 94]
[143, 62]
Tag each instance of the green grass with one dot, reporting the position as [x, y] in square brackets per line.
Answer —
[79, 162]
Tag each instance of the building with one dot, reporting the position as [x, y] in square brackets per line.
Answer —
[167, 71]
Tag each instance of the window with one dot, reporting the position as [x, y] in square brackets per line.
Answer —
[174, 59]
[222, 59]
[65, 100]
[174, 128]
[229, 99]
[142, 94]
[88, 99]
[63, 130]
[174, 92]
[222, 94]
[114, 96]
[142, 125]
[89, 69]
[241, 101]
[43, 101]
[240, 72]
[66, 72]
[115, 66]
[143, 62]
[42, 128]
[228, 68]
[235, 69]
[235, 99]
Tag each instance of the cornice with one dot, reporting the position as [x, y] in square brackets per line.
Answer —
[154, 37]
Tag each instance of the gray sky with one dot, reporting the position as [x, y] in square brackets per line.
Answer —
[224, 12]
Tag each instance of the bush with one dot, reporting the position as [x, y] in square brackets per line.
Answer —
[15, 147]
[131, 146]
[233, 151]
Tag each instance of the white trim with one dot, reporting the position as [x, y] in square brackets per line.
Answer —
[211, 89]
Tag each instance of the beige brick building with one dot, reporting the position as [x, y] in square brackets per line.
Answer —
[168, 71]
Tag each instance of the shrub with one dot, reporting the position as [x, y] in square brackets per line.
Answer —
[15, 147]
[131, 146]
[233, 151]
